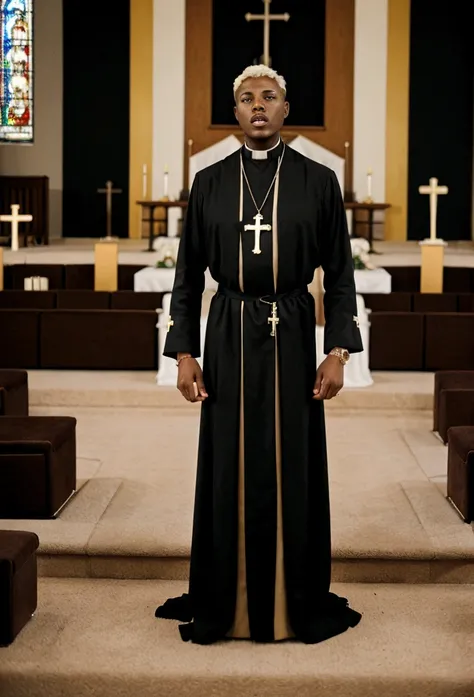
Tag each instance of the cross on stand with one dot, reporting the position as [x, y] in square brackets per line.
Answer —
[14, 219]
[267, 18]
[434, 191]
[257, 228]
[109, 191]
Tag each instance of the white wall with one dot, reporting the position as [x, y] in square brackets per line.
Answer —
[44, 156]
[370, 96]
[169, 46]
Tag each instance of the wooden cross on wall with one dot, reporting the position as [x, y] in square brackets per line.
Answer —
[267, 18]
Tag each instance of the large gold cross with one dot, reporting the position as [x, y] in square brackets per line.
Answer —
[170, 323]
[257, 228]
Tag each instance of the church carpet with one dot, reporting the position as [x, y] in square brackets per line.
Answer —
[99, 638]
[132, 514]
[121, 547]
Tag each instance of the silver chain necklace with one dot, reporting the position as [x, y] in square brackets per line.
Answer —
[280, 160]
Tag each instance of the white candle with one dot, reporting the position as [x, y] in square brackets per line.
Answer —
[28, 283]
[145, 181]
[166, 182]
[369, 183]
[44, 283]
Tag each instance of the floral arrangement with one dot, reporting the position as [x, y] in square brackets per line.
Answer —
[167, 249]
[168, 262]
[360, 254]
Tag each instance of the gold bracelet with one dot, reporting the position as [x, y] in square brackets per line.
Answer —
[182, 359]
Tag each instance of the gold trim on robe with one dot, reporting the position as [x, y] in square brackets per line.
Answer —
[241, 627]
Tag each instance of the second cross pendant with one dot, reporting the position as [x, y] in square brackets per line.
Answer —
[274, 319]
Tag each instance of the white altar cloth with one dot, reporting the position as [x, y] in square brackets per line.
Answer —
[151, 279]
[356, 372]
[373, 281]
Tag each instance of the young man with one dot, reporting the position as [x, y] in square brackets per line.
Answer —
[262, 220]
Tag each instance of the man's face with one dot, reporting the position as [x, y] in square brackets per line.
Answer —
[261, 107]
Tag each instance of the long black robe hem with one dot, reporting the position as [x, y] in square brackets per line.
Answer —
[335, 617]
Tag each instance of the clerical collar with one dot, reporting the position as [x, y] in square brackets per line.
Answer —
[262, 154]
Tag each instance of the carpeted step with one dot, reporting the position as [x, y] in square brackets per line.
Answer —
[69, 388]
[132, 515]
[98, 638]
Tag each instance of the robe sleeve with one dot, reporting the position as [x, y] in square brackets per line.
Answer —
[184, 335]
[340, 304]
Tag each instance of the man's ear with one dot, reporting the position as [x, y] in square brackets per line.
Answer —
[287, 109]
[235, 113]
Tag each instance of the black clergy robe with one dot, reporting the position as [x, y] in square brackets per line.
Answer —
[261, 545]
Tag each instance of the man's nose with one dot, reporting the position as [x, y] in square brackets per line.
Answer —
[258, 107]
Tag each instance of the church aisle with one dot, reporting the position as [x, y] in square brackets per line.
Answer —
[99, 638]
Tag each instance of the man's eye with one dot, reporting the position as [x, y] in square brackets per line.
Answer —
[270, 96]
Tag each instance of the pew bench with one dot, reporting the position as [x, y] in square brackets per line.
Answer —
[37, 465]
[18, 582]
[14, 393]
[453, 402]
[460, 489]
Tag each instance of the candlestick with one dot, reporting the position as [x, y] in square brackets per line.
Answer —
[348, 193]
[369, 198]
[190, 152]
[165, 193]
[145, 181]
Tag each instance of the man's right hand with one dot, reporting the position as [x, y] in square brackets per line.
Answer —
[190, 380]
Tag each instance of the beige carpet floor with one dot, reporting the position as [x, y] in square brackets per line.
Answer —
[99, 638]
[132, 514]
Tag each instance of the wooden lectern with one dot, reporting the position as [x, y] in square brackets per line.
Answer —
[1, 268]
[432, 266]
[106, 266]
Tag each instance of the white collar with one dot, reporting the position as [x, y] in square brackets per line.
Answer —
[261, 154]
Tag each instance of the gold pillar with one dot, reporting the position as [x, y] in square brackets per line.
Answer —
[432, 265]
[1, 268]
[397, 119]
[141, 107]
[106, 266]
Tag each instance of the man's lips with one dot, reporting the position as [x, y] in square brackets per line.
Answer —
[259, 120]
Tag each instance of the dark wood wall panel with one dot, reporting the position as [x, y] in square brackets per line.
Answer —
[338, 79]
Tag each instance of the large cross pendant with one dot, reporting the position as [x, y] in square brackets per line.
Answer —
[273, 320]
[257, 228]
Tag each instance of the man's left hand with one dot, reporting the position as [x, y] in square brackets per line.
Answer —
[329, 378]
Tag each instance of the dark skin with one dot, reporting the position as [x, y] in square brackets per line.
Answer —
[261, 109]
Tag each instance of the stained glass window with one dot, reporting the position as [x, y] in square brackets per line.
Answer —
[16, 71]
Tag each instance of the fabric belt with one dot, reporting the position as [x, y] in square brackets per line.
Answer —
[269, 298]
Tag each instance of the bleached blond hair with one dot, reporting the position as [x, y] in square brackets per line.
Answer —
[260, 71]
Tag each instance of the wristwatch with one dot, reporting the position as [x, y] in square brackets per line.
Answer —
[342, 354]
